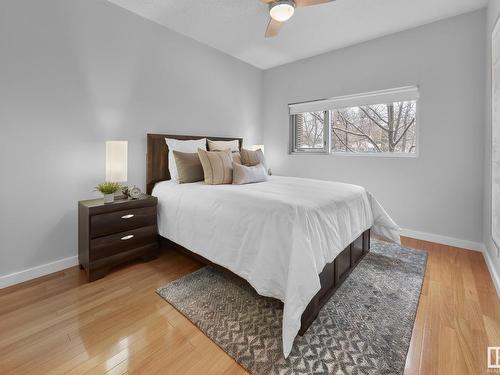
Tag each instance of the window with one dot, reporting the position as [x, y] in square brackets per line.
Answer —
[378, 123]
[311, 131]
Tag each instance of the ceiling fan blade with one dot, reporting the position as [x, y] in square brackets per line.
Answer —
[273, 28]
[267, 1]
[306, 3]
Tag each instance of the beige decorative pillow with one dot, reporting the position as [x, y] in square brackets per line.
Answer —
[247, 175]
[236, 157]
[189, 167]
[251, 158]
[217, 166]
[233, 145]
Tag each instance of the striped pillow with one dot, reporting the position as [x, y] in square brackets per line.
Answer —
[217, 166]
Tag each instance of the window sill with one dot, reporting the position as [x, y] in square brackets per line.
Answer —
[357, 154]
[376, 155]
[309, 153]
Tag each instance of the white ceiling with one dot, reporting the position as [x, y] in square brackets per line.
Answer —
[237, 26]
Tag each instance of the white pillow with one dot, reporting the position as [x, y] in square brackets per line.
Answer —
[224, 145]
[247, 175]
[191, 146]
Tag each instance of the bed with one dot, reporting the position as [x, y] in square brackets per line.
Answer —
[292, 239]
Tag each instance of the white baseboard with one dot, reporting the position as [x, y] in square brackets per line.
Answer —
[493, 272]
[33, 273]
[456, 242]
[437, 238]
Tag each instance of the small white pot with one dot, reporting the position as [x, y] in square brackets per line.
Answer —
[109, 198]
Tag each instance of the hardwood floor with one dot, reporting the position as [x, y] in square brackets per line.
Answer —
[59, 324]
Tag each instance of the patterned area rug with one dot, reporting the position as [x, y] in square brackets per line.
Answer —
[365, 328]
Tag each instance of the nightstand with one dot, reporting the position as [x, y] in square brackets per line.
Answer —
[113, 233]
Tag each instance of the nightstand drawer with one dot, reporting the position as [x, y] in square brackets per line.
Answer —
[121, 221]
[107, 246]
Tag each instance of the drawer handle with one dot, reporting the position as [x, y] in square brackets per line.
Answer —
[127, 237]
[129, 216]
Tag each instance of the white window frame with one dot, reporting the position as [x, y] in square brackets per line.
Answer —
[294, 149]
[408, 93]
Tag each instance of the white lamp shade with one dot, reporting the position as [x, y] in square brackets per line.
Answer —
[116, 161]
[257, 147]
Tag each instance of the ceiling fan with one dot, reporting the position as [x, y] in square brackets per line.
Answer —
[282, 10]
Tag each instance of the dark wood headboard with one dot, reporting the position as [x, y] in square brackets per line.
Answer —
[157, 156]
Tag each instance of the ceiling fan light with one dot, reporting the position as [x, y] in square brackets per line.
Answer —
[281, 11]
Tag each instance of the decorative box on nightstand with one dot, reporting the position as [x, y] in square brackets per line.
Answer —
[113, 233]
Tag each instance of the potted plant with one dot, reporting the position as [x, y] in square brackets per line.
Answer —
[108, 189]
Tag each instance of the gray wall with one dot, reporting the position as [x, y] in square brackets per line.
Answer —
[439, 192]
[74, 74]
[493, 13]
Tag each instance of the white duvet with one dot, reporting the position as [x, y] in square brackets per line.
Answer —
[278, 235]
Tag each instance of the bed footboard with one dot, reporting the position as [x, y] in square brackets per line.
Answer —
[333, 275]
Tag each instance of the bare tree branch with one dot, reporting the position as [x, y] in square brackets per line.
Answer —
[398, 121]
[341, 141]
[378, 115]
[404, 132]
[359, 130]
[373, 120]
[350, 132]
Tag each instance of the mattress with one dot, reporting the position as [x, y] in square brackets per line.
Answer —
[278, 235]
